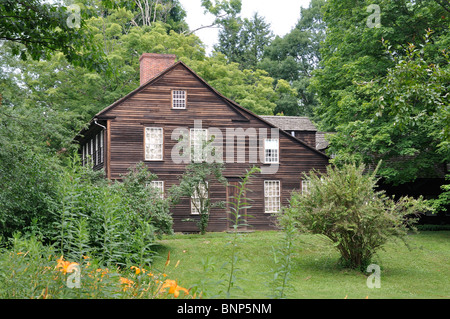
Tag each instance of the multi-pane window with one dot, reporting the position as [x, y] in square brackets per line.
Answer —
[83, 154]
[272, 193]
[102, 147]
[91, 153]
[195, 199]
[96, 140]
[178, 99]
[159, 186]
[305, 186]
[93, 150]
[271, 150]
[154, 143]
[198, 139]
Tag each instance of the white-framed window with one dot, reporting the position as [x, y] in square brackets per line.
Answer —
[272, 196]
[102, 147]
[154, 143]
[83, 155]
[271, 150]
[86, 153]
[305, 186]
[91, 142]
[195, 199]
[96, 142]
[178, 99]
[198, 138]
[158, 185]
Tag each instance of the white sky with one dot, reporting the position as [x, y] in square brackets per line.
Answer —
[281, 14]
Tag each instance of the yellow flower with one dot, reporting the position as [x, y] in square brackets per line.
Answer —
[126, 282]
[138, 270]
[103, 271]
[66, 266]
[173, 288]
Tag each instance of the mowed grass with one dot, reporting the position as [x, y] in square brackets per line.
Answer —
[420, 271]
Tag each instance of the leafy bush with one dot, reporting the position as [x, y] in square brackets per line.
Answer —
[117, 221]
[344, 206]
[144, 202]
[27, 181]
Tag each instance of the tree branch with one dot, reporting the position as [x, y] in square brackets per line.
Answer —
[214, 25]
[443, 5]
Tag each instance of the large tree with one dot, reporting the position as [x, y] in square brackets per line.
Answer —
[244, 40]
[37, 29]
[367, 90]
[294, 57]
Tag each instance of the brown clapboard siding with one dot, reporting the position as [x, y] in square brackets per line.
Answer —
[151, 105]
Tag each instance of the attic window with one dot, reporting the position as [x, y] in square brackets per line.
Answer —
[178, 99]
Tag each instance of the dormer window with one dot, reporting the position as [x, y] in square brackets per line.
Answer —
[178, 99]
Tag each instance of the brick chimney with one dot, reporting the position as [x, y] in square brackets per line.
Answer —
[152, 64]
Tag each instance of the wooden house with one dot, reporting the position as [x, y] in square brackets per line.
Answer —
[141, 126]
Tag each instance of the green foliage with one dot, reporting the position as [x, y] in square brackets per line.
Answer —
[170, 12]
[237, 206]
[441, 203]
[118, 223]
[196, 182]
[222, 9]
[293, 57]
[415, 91]
[383, 90]
[406, 122]
[283, 255]
[244, 41]
[253, 89]
[31, 145]
[344, 206]
[31, 270]
[353, 53]
[145, 202]
[36, 29]
[27, 262]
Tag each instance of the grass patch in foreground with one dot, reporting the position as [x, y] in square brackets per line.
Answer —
[421, 272]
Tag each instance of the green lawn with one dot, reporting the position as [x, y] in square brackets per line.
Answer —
[421, 272]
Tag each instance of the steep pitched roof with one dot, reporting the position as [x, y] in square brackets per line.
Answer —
[292, 123]
[233, 105]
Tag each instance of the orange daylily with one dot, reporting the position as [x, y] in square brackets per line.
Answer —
[173, 287]
[66, 266]
[138, 270]
[126, 282]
